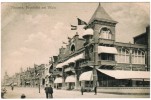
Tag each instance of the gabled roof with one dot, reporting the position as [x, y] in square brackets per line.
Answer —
[101, 14]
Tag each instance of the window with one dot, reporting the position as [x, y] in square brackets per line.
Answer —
[72, 48]
[105, 33]
[138, 57]
[123, 56]
[105, 56]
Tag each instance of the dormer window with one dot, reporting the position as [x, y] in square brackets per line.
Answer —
[105, 33]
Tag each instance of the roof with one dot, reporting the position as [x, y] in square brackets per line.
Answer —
[101, 14]
[140, 35]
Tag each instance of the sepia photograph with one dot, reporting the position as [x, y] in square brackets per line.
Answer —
[75, 50]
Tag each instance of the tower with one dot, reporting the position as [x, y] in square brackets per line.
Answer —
[102, 24]
[103, 28]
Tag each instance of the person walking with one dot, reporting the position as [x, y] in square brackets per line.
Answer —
[95, 90]
[3, 92]
[50, 92]
[12, 87]
[46, 90]
[82, 90]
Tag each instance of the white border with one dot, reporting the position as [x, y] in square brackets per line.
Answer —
[75, 1]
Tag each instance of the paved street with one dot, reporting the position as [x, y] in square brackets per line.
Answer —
[31, 92]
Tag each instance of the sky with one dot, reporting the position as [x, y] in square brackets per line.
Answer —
[33, 32]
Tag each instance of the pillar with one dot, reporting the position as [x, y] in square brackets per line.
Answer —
[77, 86]
[95, 56]
[130, 59]
[63, 76]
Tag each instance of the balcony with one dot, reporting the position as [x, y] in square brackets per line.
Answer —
[106, 41]
[87, 63]
[107, 62]
[130, 45]
[138, 67]
[127, 66]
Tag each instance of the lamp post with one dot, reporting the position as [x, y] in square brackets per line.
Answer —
[38, 82]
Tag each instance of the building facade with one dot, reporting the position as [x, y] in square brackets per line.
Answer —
[98, 60]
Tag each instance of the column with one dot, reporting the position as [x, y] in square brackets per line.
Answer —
[130, 58]
[95, 57]
[63, 76]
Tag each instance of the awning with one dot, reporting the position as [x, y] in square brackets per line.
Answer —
[70, 79]
[59, 65]
[73, 59]
[58, 80]
[80, 56]
[27, 82]
[110, 50]
[121, 74]
[86, 76]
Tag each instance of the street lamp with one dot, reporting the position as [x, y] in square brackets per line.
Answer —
[38, 82]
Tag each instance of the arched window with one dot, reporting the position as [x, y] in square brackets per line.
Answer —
[123, 56]
[138, 57]
[105, 33]
[72, 48]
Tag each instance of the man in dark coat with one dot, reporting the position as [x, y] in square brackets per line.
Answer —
[46, 90]
[82, 90]
[50, 92]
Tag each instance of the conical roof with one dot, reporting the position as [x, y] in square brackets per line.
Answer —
[101, 14]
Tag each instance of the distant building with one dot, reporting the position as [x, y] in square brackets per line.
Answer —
[6, 81]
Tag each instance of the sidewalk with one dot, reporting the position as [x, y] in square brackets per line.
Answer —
[31, 92]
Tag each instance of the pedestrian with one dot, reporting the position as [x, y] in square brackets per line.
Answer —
[82, 90]
[23, 96]
[3, 91]
[46, 90]
[12, 87]
[95, 90]
[50, 92]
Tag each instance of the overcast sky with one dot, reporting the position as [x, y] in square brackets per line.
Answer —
[33, 35]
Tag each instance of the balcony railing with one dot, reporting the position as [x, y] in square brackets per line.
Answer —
[128, 66]
[107, 62]
[87, 63]
[106, 41]
[58, 73]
